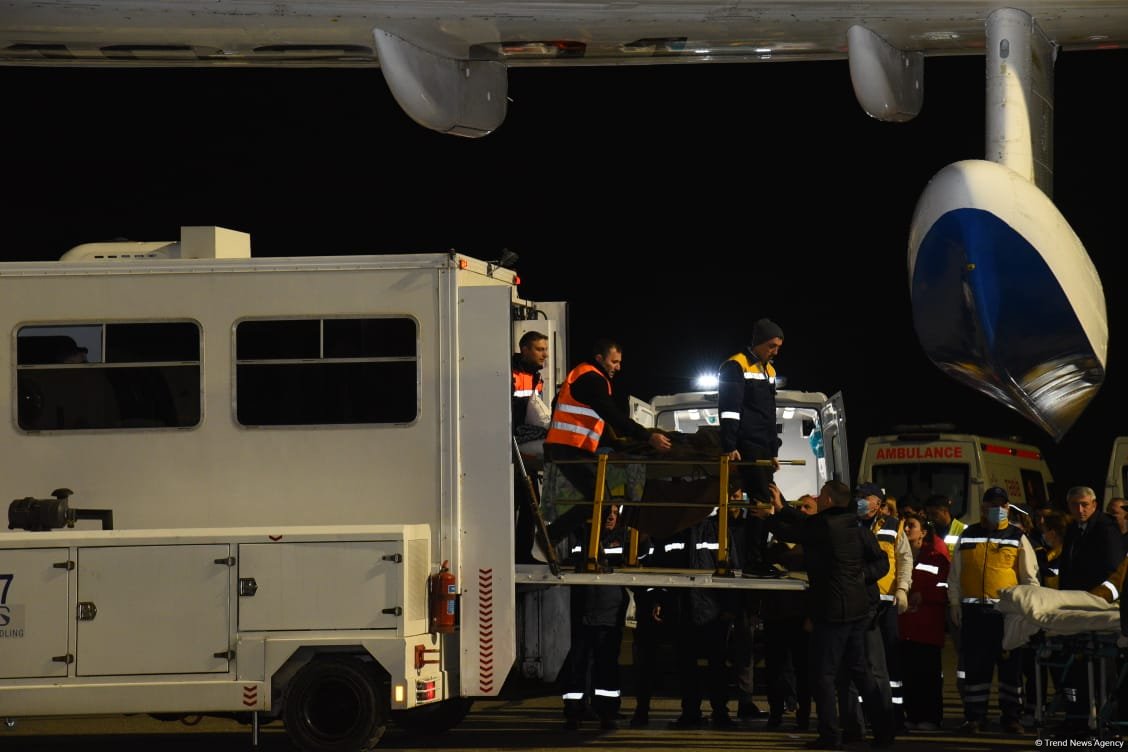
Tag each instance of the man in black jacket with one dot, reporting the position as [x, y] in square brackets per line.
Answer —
[583, 408]
[1091, 553]
[843, 564]
[598, 616]
[1092, 549]
[746, 406]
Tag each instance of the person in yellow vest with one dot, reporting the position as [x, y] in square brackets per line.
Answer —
[1054, 524]
[991, 555]
[938, 509]
[582, 411]
[746, 407]
[882, 639]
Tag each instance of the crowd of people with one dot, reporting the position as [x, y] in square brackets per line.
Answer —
[862, 646]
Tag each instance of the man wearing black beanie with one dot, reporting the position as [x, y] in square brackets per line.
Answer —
[746, 405]
[747, 408]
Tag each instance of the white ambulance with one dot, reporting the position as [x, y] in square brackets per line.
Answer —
[811, 427]
[914, 464]
[1117, 479]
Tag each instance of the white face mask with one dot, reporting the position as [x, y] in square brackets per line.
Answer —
[863, 507]
[996, 514]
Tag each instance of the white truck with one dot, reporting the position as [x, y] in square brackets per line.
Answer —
[236, 482]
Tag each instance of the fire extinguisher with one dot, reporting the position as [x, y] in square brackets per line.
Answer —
[444, 596]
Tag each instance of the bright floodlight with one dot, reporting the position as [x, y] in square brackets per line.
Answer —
[707, 381]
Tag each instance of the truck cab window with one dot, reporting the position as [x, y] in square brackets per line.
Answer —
[92, 376]
[326, 371]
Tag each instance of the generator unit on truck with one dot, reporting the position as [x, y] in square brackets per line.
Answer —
[918, 462]
[290, 452]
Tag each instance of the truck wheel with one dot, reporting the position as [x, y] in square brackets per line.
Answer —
[335, 705]
[434, 718]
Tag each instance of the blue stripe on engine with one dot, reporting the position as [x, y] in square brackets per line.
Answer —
[989, 311]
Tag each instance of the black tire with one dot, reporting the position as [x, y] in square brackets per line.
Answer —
[434, 718]
[335, 705]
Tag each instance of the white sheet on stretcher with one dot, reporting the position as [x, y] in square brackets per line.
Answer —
[1028, 608]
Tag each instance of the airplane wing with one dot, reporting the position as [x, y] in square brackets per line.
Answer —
[1005, 298]
[515, 32]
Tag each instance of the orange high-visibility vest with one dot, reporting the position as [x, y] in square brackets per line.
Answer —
[523, 384]
[574, 423]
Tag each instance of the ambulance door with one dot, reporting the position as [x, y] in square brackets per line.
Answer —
[1117, 479]
[642, 412]
[832, 455]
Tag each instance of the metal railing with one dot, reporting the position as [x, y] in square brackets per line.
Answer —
[724, 504]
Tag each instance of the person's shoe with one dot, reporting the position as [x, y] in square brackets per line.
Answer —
[571, 724]
[684, 722]
[823, 743]
[802, 723]
[852, 734]
[1011, 726]
[608, 724]
[723, 722]
[749, 711]
[912, 726]
[774, 722]
[969, 728]
[928, 727]
[640, 720]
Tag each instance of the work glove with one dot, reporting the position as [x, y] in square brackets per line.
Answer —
[956, 614]
[901, 598]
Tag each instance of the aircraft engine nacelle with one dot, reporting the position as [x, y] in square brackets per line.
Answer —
[1005, 299]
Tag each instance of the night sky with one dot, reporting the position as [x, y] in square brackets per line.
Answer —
[672, 205]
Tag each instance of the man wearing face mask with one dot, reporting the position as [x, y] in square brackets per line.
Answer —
[990, 555]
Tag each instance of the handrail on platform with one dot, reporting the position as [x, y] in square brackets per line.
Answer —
[591, 562]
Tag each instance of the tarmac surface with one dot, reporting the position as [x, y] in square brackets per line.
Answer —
[527, 716]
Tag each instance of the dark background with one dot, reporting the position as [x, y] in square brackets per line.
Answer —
[671, 205]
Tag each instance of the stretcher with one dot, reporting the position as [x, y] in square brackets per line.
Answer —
[1066, 628]
[658, 496]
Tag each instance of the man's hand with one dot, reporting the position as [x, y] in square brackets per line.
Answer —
[955, 612]
[901, 598]
[659, 441]
[734, 455]
[777, 497]
[775, 464]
